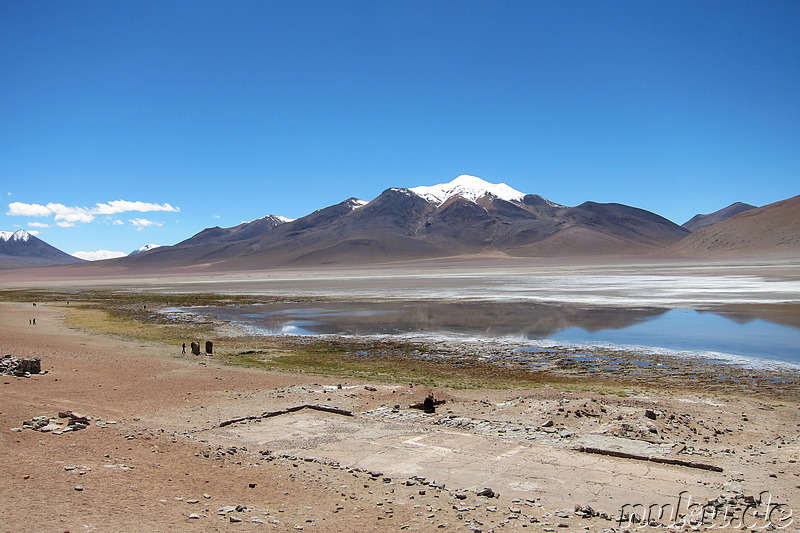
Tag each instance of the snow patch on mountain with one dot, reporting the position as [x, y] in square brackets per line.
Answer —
[359, 203]
[356, 203]
[274, 218]
[19, 235]
[145, 248]
[468, 187]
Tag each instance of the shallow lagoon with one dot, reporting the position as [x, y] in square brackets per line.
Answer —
[678, 330]
[689, 330]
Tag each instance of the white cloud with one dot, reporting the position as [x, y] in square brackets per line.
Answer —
[117, 222]
[98, 255]
[71, 215]
[33, 232]
[124, 206]
[38, 225]
[28, 210]
[65, 224]
[216, 216]
[142, 223]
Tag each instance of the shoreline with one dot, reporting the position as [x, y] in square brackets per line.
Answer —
[564, 347]
[518, 360]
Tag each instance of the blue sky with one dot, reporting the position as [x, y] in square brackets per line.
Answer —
[149, 121]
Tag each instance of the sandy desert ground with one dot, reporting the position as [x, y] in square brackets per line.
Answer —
[183, 443]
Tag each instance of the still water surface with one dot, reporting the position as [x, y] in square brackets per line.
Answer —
[670, 329]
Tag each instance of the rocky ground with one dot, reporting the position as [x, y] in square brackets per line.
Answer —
[181, 443]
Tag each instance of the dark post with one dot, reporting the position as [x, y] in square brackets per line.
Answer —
[209, 347]
[428, 404]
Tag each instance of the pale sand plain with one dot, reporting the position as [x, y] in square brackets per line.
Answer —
[166, 458]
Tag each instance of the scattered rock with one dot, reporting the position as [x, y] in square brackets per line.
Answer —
[585, 511]
[20, 367]
[45, 424]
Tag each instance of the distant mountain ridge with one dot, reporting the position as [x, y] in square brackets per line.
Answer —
[698, 222]
[241, 232]
[767, 230]
[465, 216]
[22, 249]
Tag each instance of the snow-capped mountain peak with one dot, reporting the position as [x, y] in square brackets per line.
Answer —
[19, 235]
[145, 248]
[469, 187]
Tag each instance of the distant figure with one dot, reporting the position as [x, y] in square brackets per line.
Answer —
[34, 321]
[34, 304]
[183, 347]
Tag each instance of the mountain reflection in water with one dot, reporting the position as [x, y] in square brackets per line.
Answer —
[480, 319]
[676, 329]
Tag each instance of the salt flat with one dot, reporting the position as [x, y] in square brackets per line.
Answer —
[619, 281]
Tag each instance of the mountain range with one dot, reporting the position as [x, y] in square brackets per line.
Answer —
[464, 217]
[467, 216]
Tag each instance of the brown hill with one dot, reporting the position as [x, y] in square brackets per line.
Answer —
[703, 221]
[773, 229]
